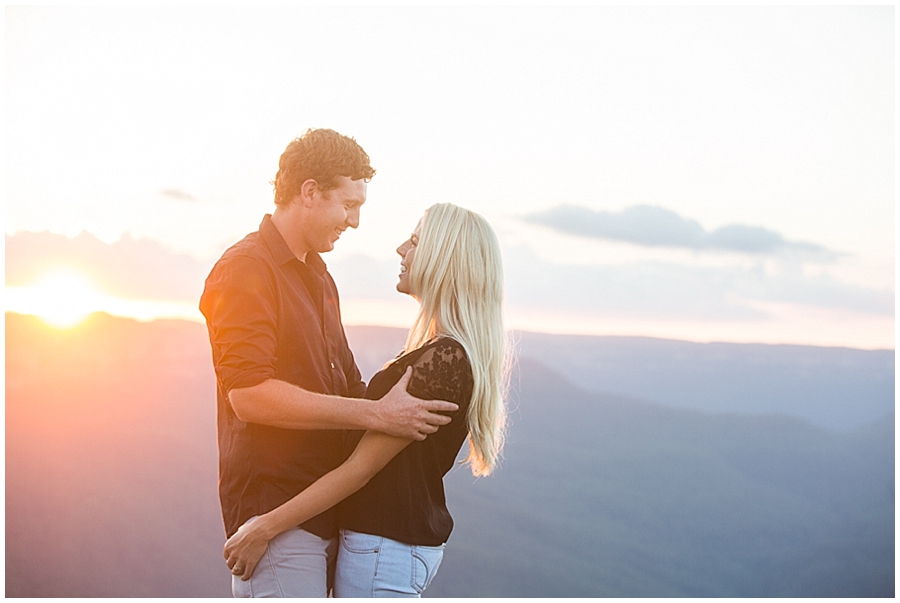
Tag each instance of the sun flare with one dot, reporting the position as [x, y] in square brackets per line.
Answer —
[63, 298]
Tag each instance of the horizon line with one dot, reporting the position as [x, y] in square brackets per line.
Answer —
[101, 313]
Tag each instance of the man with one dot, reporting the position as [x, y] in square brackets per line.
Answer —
[287, 381]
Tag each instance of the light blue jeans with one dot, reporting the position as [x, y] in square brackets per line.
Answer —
[373, 566]
[294, 565]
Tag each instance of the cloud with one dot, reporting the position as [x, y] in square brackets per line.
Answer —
[144, 269]
[657, 290]
[678, 292]
[137, 269]
[651, 226]
[179, 195]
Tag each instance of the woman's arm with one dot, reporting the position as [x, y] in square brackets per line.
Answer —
[375, 450]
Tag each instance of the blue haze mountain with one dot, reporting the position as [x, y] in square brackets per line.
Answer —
[111, 469]
[833, 388]
[606, 496]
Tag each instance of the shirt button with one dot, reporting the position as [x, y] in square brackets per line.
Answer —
[332, 365]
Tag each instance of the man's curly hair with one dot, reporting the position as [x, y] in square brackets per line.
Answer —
[322, 155]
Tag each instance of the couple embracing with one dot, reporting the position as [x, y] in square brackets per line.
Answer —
[327, 485]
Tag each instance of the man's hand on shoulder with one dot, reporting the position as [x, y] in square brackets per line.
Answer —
[399, 413]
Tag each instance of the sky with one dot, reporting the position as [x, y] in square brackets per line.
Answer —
[704, 173]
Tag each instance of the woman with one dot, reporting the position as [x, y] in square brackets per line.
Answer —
[394, 519]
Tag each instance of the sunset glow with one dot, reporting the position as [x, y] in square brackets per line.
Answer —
[61, 299]
[64, 298]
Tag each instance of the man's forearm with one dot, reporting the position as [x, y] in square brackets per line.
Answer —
[281, 404]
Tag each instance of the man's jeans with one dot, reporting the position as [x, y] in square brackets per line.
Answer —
[296, 564]
[373, 566]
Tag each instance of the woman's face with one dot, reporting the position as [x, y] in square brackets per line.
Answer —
[407, 252]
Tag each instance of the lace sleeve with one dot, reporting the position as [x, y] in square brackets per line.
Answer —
[442, 372]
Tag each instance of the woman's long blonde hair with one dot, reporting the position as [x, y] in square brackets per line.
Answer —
[457, 276]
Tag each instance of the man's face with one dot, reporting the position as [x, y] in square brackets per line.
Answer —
[333, 212]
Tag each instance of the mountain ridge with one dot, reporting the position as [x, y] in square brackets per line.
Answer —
[811, 382]
[111, 484]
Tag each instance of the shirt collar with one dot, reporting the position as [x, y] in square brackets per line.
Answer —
[280, 250]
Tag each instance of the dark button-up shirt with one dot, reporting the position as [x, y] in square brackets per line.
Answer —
[272, 316]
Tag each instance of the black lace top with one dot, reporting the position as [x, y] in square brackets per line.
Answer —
[405, 500]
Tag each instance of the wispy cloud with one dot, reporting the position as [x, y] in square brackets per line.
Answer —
[652, 226]
[651, 289]
[179, 195]
[678, 292]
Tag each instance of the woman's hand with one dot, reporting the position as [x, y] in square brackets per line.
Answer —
[245, 548]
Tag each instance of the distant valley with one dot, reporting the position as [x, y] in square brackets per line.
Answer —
[834, 388]
[634, 467]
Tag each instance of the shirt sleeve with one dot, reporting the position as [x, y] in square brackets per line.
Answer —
[241, 307]
[442, 372]
[355, 385]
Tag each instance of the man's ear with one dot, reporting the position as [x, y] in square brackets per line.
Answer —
[308, 191]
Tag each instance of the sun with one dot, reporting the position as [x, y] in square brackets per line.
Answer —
[63, 298]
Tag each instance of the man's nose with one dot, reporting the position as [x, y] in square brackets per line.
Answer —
[353, 218]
